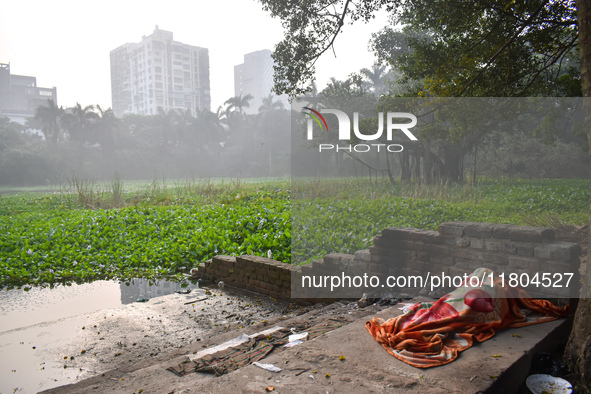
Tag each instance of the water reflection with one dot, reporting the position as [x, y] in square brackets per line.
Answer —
[141, 289]
[19, 308]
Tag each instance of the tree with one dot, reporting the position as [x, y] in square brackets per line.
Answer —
[518, 49]
[186, 130]
[107, 125]
[166, 122]
[238, 103]
[376, 78]
[50, 117]
[269, 118]
[78, 122]
[508, 47]
[478, 48]
[578, 350]
[209, 125]
[270, 104]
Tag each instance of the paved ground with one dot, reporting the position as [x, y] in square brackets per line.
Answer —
[367, 367]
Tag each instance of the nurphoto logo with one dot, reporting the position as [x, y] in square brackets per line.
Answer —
[344, 130]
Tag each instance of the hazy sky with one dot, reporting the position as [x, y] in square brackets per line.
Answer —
[66, 43]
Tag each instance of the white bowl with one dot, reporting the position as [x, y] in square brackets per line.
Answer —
[546, 384]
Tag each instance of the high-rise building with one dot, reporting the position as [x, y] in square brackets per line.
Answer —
[20, 96]
[255, 77]
[159, 72]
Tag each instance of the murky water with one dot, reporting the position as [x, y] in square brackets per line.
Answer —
[19, 308]
[53, 337]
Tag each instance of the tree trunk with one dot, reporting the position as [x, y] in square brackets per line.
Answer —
[427, 163]
[578, 349]
[405, 167]
[390, 175]
[474, 173]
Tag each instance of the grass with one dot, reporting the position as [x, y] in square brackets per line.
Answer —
[86, 230]
[344, 215]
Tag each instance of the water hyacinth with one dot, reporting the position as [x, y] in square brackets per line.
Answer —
[156, 241]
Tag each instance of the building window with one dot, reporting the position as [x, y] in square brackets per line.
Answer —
[158, 69]
[186, 67]
[45, 93]
[178, 88]
[178, 80]
[158, 85]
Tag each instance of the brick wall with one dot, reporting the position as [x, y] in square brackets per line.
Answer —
[457, 248]
[260, 274]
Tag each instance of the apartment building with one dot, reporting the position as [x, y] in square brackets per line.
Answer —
[20, 96]
[255, 77]
[159, 72]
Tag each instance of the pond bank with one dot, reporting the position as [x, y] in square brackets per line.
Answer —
[45, 352]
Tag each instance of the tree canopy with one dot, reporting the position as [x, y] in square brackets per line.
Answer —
[475, 48]
[459, 48]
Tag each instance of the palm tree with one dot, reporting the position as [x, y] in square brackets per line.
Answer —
[376, 78]
[79, 122]
[267, 125]
[166, 122]
[106, 125]
[50, 117]
[269, 104]
[238, 103]
[185, 125]
[210, 128]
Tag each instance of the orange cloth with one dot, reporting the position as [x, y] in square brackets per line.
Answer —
[432, 334]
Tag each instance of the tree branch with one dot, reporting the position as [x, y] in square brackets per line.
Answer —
[494, 57]
[340, 24]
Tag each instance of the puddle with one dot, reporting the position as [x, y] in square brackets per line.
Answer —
[19, 308]
[54, 337]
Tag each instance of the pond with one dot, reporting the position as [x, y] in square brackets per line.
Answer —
[54, 337]
[20, 308]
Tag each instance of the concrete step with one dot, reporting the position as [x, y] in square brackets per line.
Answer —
[367, 367]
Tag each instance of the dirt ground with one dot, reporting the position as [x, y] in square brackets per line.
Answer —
[309, 363]
[64, 351]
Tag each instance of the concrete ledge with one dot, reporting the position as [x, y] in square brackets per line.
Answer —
[367, 366]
